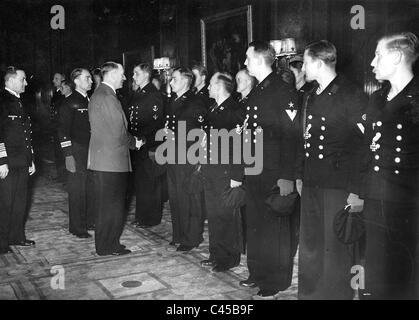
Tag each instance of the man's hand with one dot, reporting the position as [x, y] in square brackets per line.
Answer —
[70, 164]
[235, 184]
[299, 186]
[4, 171]
[285, 186]
[138, 143]
[32, 169]
[357, 205]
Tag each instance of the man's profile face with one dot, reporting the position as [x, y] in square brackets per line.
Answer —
[310, 67]
[139, 76]
[178, 82]
[84, 81]
[58, 78]
[213, 87]
[253, 61]
[242, 81]
[199, 79]
[119, 77]
[18, 82]
[383, 63]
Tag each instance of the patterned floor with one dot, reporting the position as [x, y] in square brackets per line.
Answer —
[152, 271]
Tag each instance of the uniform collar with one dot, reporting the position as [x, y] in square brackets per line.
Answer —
[83, 94]
[13, 92]
[266, 82]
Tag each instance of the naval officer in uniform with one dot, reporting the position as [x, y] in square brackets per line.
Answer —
[333, 132]
[224, 224]
[391, 207]
[271, 110]
[185, 205]
[16, 161]
[145, 117]
[74, 136]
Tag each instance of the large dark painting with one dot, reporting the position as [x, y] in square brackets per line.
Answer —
[224, 40]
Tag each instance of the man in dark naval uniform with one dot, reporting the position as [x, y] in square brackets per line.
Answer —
[74, 135]
[200, 87]
[333, 131]
[16, 161]
[185, 204]
[391, 196]
[271, 120]
[224, 224]
[145, 117]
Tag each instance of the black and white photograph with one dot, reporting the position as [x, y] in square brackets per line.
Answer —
[209, 154]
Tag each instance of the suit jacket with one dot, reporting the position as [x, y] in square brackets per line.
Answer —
[109, 141]
[15, 132]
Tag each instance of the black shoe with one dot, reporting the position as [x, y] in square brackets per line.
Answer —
[184, 248]
[6, 250]
[262, 295]
[172, 243]
[248, 283]
[208, 263]
[25, 243]
[140, 225]
[91, 228]
[135, 223]
[83, 235]
[121, 252]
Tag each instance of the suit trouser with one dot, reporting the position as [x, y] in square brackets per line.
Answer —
[13, 200]
[78, 192]
[224, 224]
[185, 207]
[391, 255]
[148, 186]
[110, 190]
[269, 238]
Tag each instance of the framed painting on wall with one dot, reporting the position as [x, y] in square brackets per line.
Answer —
[224, 39]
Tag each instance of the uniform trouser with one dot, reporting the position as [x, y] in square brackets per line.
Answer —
[269, 238]
[91, 212]
[110, 190]
[79, 193]
[324, 264]
[13, 200]
[185, 207]
[391, 257]
[224, 224]
[148, 186]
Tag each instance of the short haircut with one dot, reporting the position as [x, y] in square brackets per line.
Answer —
[11, 72]
[185, 73]
[201, 69]
[323, 50]
[76, 73]
[265, 50]
[108, 67]
[226, 79]
[252, 78]
[406, 42]
[69, 83]
[97, 72]
[61, 74]
[146, 68]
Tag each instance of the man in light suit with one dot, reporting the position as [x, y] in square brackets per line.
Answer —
[109, 160]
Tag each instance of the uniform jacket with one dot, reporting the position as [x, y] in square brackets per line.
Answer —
[272, 106]
[15, 132]
[74, 126]
[109, 141]
[333, 135]
[391, 163]
[145, 115]
[203, 94]
[227, 116]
